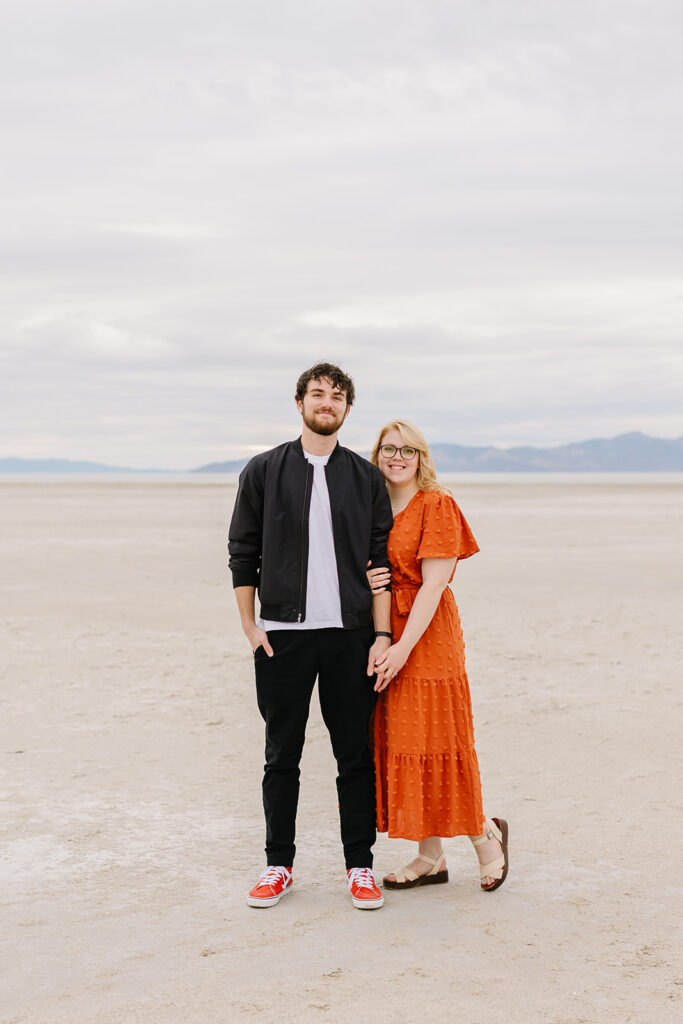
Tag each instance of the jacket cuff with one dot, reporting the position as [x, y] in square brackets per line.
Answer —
[245, 577]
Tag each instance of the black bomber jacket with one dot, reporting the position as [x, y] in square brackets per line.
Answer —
[268, 540]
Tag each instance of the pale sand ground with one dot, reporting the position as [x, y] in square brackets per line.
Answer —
[132, 749]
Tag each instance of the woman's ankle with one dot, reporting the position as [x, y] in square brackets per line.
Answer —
[486, 828]
[431, 847]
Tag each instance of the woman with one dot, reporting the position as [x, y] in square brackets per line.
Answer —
[426, 766]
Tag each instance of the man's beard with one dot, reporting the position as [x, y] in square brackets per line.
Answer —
[325, 428]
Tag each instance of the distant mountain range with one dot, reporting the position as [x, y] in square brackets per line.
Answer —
[628, 453]
[64, 466]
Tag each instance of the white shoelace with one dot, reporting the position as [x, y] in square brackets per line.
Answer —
[274, 874]
[363, 876]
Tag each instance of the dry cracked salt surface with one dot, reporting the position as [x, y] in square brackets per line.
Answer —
[131, 752]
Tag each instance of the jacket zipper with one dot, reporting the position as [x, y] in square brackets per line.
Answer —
[303, 529]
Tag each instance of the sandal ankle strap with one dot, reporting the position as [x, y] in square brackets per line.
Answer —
[493, 832]
[408, 875]
[429, 860]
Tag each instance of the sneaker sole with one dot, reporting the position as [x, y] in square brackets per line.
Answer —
[254, 901]
[368, 904]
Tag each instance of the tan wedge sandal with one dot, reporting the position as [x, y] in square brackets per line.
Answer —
[407, 879]
[498, 868]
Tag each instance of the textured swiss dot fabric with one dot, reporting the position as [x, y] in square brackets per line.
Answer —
[426, 765]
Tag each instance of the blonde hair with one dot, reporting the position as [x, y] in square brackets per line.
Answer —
[426, 471]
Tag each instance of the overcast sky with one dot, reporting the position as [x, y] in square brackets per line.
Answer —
[473, 207]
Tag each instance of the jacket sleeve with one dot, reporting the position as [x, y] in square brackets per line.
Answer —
[382, 521]
[246, 528]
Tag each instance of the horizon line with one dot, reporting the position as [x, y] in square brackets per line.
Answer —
[245, 458]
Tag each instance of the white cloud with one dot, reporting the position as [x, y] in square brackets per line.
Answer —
[74, 337]
[178, 232]
[621, 307]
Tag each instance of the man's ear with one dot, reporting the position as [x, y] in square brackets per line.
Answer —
[348, 410]
[299, 406]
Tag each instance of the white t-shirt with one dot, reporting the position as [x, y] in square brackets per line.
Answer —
[323, 604]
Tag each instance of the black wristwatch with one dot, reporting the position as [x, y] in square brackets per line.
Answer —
[379, 632]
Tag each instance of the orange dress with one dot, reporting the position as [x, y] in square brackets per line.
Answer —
[425, 763]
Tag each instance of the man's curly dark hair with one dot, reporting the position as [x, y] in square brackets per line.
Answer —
[330, 372]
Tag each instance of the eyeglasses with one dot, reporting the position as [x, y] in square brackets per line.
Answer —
[406, 452]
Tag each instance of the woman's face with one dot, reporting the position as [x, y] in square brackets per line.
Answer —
[396, 469]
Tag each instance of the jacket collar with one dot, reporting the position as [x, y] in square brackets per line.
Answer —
[299, 449]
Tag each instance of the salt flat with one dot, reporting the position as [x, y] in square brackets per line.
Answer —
[131, 751]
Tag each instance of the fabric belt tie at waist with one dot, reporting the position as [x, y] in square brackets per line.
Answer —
[403, 597]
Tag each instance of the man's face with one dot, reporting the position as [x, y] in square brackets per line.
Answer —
[324, 407]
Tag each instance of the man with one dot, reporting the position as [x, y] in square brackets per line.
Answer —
[308, 517]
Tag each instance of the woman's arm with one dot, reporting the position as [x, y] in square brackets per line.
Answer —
[436, 572]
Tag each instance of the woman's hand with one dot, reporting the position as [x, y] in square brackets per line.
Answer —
[379, 579]
[389, 666]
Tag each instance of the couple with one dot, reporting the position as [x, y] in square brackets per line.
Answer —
[309, 517]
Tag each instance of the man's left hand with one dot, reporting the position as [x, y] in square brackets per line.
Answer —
[377, 652]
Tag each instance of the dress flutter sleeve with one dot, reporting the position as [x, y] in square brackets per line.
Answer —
[445, 532]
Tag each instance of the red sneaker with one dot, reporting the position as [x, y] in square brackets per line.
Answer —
[273, 883]
[364, 892]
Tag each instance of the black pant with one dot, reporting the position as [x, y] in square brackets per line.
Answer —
[284, 684]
